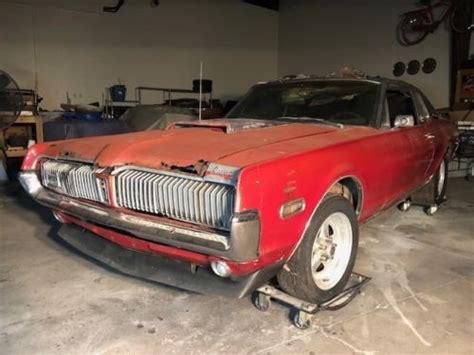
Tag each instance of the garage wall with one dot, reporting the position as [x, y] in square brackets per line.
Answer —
[71, 45]
[318, 36]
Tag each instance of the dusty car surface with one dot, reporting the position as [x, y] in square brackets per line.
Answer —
[277, 188]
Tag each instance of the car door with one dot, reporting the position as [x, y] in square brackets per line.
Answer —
[410, 155]
[431, 126]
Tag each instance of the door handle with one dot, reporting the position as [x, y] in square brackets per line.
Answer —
[429, 136]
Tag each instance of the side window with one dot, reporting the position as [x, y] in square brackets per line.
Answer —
[424, 114]
[399, 103]
[428, 105]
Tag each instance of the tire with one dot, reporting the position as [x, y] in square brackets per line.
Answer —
[406, 34]
[336, 214]
[441, 182]
[461, 23]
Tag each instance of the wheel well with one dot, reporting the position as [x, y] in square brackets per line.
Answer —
[350, 189]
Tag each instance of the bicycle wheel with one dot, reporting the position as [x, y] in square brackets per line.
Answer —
[412, 29]
[462, 18]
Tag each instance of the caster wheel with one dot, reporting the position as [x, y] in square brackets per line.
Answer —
[302, 320]
[261, 302]
[431, 210]
[404, 206]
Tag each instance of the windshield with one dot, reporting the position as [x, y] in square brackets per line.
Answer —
[335, 101]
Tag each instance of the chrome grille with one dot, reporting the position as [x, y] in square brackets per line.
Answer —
[178, 197]
[74, 179]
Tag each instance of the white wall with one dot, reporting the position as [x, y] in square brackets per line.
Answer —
[71, 45]
[318, 36]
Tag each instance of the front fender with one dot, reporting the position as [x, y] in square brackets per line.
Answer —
[267, 187]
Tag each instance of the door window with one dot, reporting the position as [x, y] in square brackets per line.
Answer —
[424, 114]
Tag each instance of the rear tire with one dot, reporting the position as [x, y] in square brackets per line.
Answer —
[441, 182]
[322, 264]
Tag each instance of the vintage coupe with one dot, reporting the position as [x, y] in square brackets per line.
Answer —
[277, 188]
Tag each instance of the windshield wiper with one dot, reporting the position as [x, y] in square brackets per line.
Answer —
[307, 118]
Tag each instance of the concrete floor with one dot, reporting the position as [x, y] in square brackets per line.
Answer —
[421, 298]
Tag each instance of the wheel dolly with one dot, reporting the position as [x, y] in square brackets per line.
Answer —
[304, 311]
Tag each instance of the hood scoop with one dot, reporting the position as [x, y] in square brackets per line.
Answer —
[227, 126]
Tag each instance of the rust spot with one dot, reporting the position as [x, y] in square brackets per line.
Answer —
[199, 168]
[66, 154]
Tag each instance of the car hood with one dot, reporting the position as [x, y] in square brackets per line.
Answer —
[235, 142]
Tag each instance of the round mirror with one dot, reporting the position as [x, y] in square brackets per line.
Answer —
[429, 65]
[398, 69]
[11, 101]
[413, 67]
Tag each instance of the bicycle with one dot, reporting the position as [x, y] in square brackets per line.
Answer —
[415, 25]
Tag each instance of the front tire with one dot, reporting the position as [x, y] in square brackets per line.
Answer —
[322, 264]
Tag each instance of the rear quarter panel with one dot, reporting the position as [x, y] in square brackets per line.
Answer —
[445, 133]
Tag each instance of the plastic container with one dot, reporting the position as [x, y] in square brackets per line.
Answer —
[118, 93]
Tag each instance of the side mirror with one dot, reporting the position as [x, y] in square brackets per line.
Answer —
[402, 121]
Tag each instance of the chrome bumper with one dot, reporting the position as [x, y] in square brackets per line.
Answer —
[240, 245]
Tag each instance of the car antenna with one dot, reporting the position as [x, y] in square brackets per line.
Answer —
[200, 92]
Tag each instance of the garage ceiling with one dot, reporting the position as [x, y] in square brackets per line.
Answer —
[269, 4]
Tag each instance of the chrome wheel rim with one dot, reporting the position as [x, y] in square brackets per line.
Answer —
[441, 178]
[331, 251]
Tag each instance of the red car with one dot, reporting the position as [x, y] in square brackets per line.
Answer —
[277, 188]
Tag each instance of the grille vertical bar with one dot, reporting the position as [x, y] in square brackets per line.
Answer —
[176, 197]
[74, 179]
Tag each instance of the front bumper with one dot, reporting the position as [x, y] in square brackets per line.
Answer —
[156, 268]
[241, 245]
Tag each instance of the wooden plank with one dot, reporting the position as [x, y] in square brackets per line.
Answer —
[15, 153]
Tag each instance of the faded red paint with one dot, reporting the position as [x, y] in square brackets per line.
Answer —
[278, 164]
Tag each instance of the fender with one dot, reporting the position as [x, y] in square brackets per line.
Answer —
[315, 209]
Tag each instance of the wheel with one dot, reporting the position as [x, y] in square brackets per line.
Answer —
[261, 302]
[461, 20]
[322, 264]
[412, 29]
[302, 320]
[431, 210]
[441, 182]
[404, 206]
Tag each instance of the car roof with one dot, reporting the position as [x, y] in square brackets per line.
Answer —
[309, 78]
